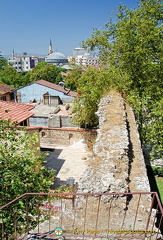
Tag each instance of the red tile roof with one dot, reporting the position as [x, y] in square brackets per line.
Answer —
[17, 112]
[5, 88]
[59, 88]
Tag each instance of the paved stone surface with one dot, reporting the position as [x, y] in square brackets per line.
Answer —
[67, 161]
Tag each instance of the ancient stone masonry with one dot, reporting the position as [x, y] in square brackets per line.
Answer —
[117, 163]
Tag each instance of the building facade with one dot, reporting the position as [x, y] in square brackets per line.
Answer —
[22, 62]
[42, 90]
[82, 57]
[87, 61]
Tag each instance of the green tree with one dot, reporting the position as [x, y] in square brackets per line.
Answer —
[48, 72]
[21, 171]
[10, 76]
[3, 62]
[73, 77]
[91, 86]
[134, 47]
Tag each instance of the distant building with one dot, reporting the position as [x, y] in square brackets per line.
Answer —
[38, 59]
[82, 57]
[79, 51]
[22, 62]
[45, 92]
[55, 58]
[6, 92]
[87, 61]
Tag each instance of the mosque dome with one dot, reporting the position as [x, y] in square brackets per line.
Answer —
[56, 55]
[56, 58]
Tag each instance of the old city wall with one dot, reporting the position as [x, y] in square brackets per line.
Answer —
[117, 151]
[117, 163]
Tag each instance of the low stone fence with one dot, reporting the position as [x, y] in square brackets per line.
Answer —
[65, 136]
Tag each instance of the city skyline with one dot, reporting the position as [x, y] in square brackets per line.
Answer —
[29, 26]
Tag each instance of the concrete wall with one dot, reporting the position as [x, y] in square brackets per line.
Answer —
[38, 121]
[66, 121]
[55, 121]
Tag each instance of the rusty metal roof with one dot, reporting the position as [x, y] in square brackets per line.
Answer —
[59, 88]
[17, 112]
[4, 88]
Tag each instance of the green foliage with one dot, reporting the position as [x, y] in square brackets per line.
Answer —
[72, 78]
[134, 47]
[48, 72]
[91, 86]
[3, 62]
[20, 164]
[159, 182]
[158, 171]
[21, 171]
[10, 76]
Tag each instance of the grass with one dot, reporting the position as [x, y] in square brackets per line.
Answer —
[159, 181]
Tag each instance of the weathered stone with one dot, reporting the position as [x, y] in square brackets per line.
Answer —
[117, 163]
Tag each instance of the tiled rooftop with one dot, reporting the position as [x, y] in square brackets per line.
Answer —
[17, 112]
[5, 88]
[59, 88]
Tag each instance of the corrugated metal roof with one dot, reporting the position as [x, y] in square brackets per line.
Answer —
[59, 88]
[4, 88]
[17, 112]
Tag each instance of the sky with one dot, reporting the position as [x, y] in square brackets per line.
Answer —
[28, 26]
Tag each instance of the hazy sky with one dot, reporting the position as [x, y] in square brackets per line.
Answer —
[27, 26]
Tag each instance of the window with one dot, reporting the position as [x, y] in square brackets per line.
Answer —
[3, 98]
[43, 134]
[11, 96]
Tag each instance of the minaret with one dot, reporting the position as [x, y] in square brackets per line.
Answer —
[13, 54]
[50, 48]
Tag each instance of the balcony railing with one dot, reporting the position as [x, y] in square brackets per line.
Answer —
[82, 216]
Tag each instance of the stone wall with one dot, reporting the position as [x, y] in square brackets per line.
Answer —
[64, 136]
[117, 163]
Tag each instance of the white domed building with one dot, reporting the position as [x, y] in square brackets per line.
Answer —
[55, 58]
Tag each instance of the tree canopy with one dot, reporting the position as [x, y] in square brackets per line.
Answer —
[21, 167]
[48, 72]
[21, 171]
[10, 76]
[72, 77]
[133, 49]
[3, 62]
